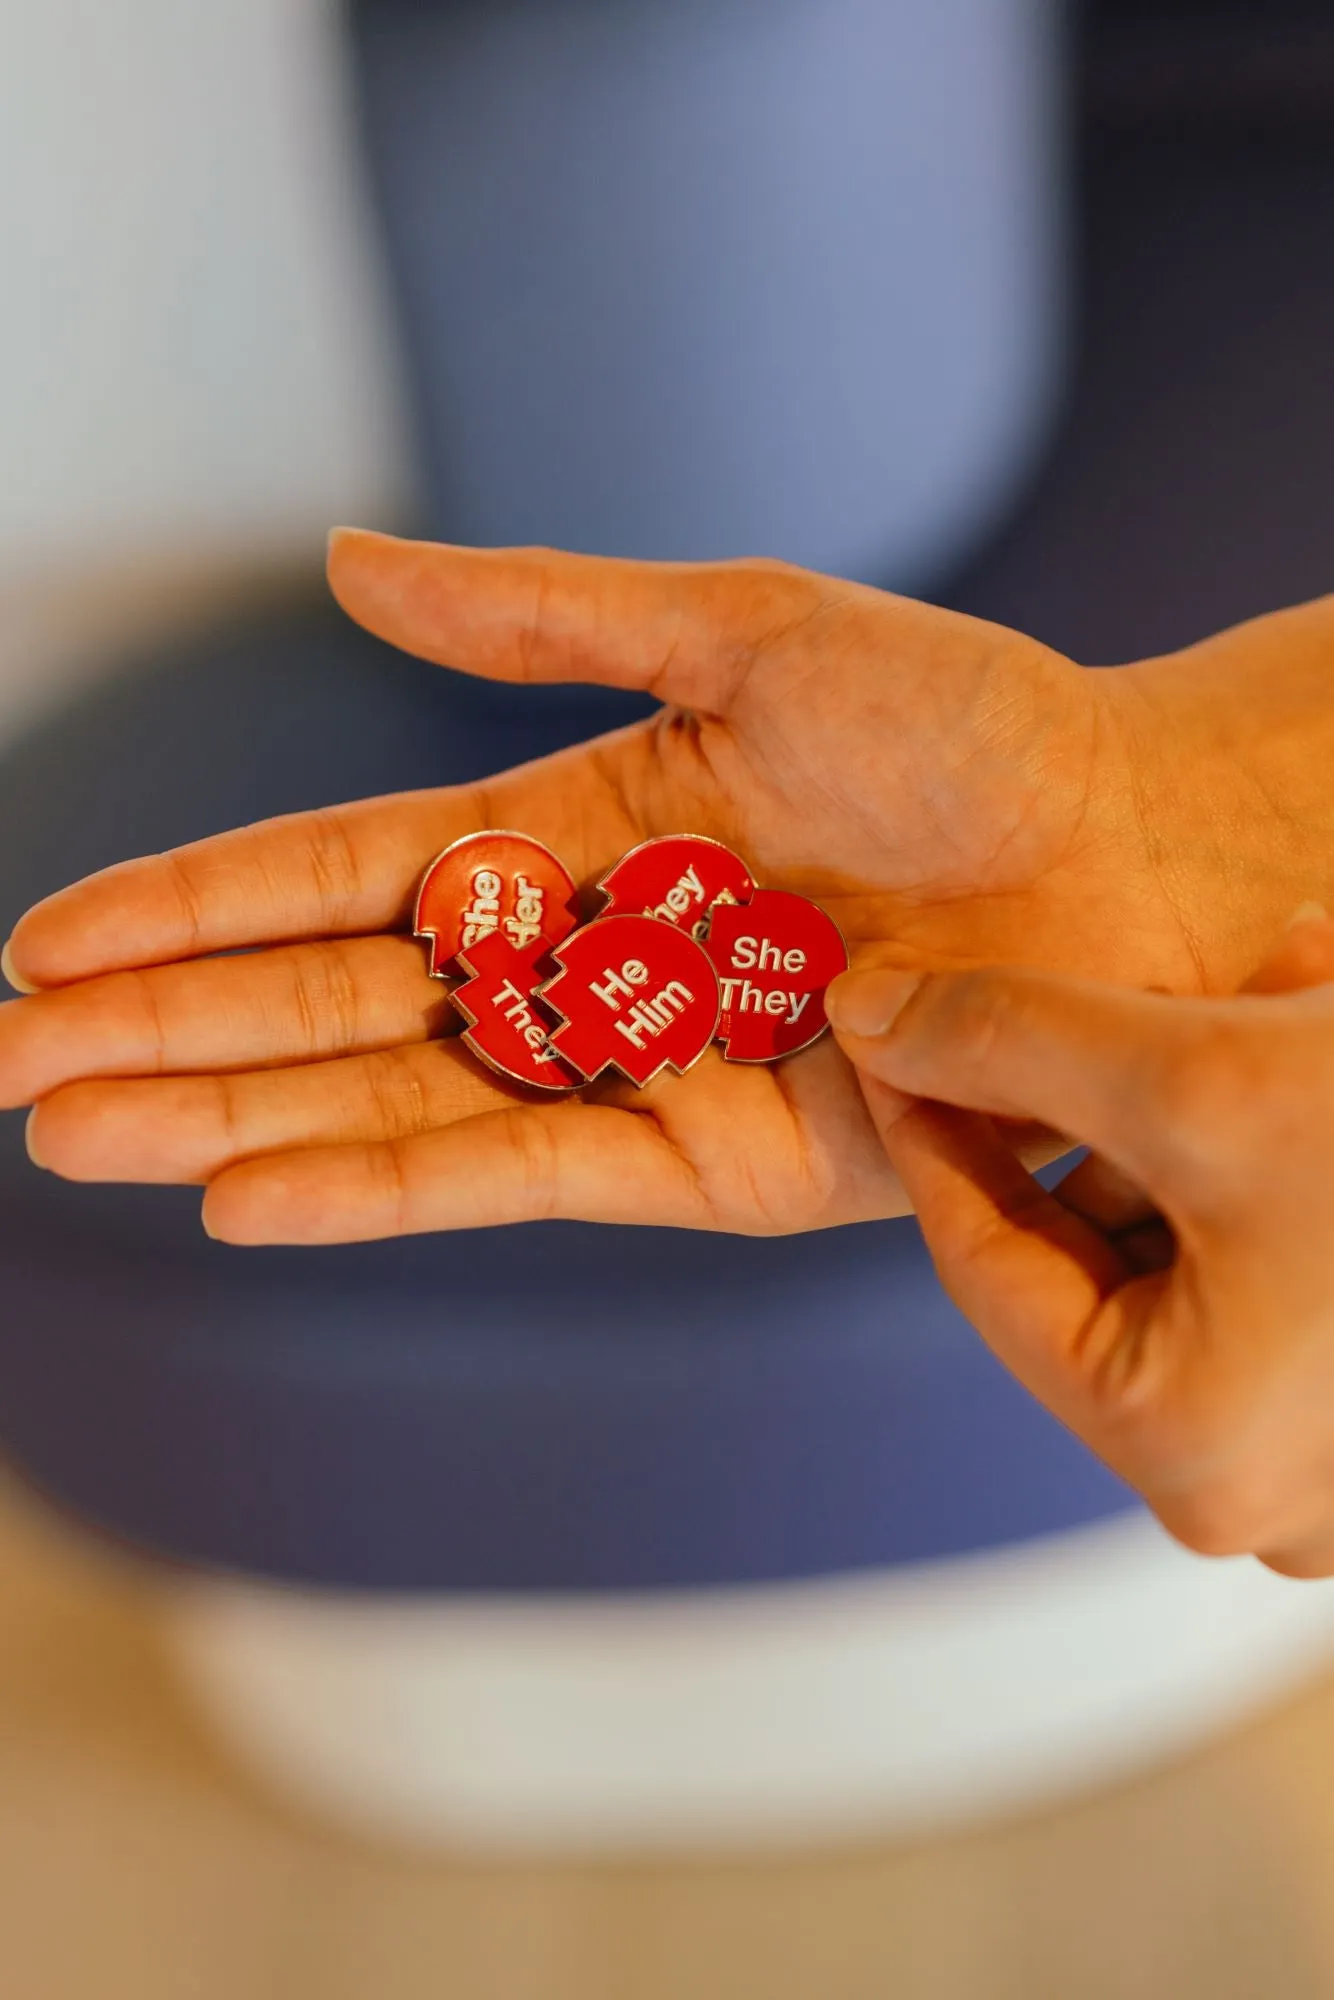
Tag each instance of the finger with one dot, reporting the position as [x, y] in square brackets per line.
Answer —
[187, 1129]
[1287, 1520]
[688, 633]
[1104, 1196]
[1094, 1062]
[1305, 1561]
[1117, 1206]
[580, 1161]
[350, 869]
[1302, 958]
[1040, 1284]
[345, 870]
[298, 1003]
[1148, 1247]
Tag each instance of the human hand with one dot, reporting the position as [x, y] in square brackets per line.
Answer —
[951, 792]
[1173, 1300]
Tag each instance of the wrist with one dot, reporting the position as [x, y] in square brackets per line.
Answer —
[1224, 753]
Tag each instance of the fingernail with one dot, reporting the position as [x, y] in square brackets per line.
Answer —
[30, 1142]
[19, 984]
[1308, 913]
[869, 1003]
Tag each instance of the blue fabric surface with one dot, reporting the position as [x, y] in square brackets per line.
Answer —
[714, 277]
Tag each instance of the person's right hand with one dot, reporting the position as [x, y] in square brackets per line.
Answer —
[953, 793]
[1173, 1300]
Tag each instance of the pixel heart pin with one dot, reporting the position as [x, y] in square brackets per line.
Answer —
[508, 1023]
[496, 881]
[634, 994]
[677, 878]
[774, 957]
[686, 949]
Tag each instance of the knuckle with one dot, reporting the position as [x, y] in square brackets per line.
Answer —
[770, 574]
[537, 1161]
[1211, 1096]
[973, 1011]
[148, 1013]
[534, 627]
[399, 1103]
[325, 999]
[333, 863]
[388, 1162]
[1220, 1518]
[774, 598]
[1305, 1561]
[229, 1108]
[189, 895]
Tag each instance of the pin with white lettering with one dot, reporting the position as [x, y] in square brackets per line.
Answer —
[488, 882]
[774, 958]
[509, 1024]
[678, 879]
[633, 994]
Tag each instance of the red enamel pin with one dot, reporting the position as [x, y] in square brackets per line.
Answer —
[686, 949]
[634, 994]
[494, 882]
[678, 879]
[774, 957]
[509, 1025]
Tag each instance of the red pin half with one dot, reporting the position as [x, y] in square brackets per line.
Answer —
[494, 881]
[774, 958]
[678, 879]
[634, 995]
[509, 1025]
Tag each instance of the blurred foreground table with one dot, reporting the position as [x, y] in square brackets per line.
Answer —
[134, 1864]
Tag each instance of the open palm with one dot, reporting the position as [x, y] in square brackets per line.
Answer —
[247, 1012]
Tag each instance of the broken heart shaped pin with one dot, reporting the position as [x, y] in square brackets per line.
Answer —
[678, 878]
[635, 995]
[687, 949]
[774, 957]
[508, 1024]
[493, 881]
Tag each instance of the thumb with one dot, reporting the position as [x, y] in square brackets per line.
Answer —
[1057, 1301]
[1302, 958]
[686, 632]
[1092, 1062]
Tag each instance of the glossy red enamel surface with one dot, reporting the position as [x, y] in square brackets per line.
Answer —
[508, 1024]
[488, 882]
[774, 958]
[677, 879]
[634, 994]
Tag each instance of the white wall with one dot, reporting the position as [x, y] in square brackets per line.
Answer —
[193, 355]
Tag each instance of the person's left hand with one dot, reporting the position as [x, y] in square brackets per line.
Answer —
[950, 791]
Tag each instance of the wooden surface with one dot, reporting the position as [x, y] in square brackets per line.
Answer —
[136, 1864]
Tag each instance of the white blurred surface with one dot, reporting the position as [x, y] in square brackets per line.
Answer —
[930, 1697]
[193, 349]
